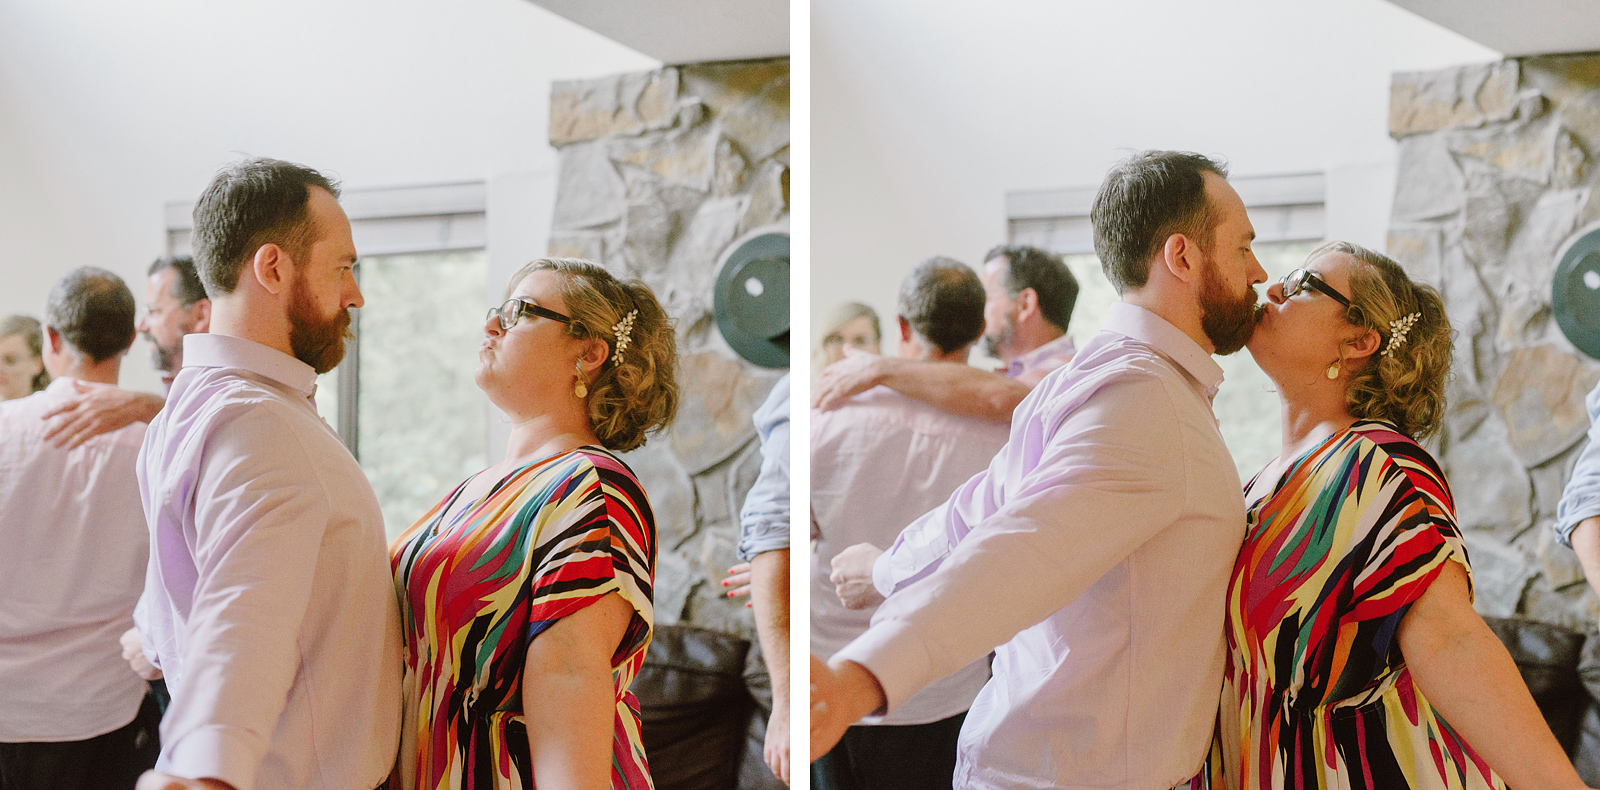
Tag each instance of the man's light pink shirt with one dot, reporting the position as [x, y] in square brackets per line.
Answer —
[1093, 556]
[71, 567]
[877, 463]
[269, 604]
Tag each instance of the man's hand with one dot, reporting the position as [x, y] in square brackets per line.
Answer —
[133, 653]
[93, 409]
[154, 781]
[858, 372]
[776, 749]
[739, 580]
[841, 693]
[852, 576]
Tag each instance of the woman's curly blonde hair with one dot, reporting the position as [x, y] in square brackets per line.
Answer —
[1406, 385]
[637, 392]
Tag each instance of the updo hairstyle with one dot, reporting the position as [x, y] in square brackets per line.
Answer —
[1406, 386]
[637, 394]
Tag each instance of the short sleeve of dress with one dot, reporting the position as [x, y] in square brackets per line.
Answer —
[1414, 531]
[597, 537]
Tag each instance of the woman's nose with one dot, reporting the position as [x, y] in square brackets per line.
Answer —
[491, 326]
[1275, 293]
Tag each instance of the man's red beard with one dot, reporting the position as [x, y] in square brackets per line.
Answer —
[1227, 319]
[315, 340]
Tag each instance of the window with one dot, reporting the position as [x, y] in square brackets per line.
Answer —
[403, 399]
[1287, 213]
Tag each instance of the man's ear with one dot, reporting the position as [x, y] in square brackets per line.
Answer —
[1180, 257]
[270, 267]
[53, 340]
[1026, 302]
[202, 316]
[905, 329]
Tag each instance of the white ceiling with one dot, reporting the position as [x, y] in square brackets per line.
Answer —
[686, 31]
[1524, 27]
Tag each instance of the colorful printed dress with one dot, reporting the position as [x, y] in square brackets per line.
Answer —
[546, 541]
[1316, 693]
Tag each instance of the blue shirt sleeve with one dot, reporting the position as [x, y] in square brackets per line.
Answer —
[764, 520]
[1581, 498]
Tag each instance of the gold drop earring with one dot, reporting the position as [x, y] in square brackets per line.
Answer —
[582, 390]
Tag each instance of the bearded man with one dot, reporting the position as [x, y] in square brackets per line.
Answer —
[268, 601]
[1093, 554]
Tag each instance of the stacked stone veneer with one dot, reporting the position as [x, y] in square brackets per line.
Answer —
[660, 171]
[1496, 171]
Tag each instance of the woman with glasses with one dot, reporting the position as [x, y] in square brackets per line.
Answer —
[525, 595]
[1356, 659]
[848, 324]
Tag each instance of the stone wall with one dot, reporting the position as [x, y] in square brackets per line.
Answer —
[660, 171]
[1495, 174]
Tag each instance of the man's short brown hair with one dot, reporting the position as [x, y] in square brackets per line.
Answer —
[1145, 199]
[250, 203]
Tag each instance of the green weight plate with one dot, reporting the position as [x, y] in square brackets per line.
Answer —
[751, 300]
[1575, 293]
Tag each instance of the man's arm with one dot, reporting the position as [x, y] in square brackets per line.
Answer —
[764, 543]
[955, 388]
[93, 409]
[260, 516]
[1112, 461]
[769, 596]
[1578, 514]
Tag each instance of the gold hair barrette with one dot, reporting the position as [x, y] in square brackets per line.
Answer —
[623, 332]
[1397, 332]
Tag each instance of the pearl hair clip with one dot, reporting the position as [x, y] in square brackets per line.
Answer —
[623, 332]
[1397, 331]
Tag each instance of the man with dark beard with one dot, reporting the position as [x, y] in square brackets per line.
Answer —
[268, 602]
[1029, 295]
[1093, 555]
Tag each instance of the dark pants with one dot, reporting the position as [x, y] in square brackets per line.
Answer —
[106, 762]
[891, 757]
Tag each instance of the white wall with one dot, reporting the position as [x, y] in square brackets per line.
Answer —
[926, 112]
[110, 109]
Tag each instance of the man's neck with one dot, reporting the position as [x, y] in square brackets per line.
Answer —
[106, 372]
[923, 351]
[231, 316]
[1173, 309]
[1031, 338]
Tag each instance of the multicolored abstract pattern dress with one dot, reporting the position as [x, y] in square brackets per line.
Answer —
[547, 540]
[1316, 693]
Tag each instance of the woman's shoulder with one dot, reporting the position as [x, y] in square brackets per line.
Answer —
[1393, 451]
[604, 469]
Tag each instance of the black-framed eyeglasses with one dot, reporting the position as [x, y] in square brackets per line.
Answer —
[516, 308]
[1296, 281]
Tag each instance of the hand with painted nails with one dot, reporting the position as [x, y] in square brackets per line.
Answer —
[739, 580]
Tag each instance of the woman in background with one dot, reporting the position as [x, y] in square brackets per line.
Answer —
[525, 596]
[1356, 659]
[21, 357]
[850, 324]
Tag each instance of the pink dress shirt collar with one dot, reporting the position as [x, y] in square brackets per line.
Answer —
[209, 350]
[1140, 324]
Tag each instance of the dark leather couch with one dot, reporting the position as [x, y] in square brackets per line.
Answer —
[1562, 670]
[705, 697]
